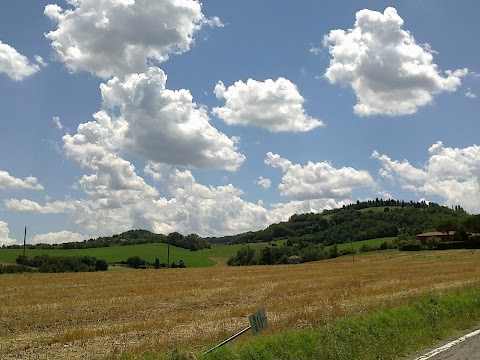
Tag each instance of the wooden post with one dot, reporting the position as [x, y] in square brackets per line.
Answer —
[168, 254]
[353, 251]
[24, 241]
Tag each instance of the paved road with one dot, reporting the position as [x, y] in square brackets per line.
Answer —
[460, 349]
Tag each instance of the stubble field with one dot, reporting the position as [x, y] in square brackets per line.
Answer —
[112, 314]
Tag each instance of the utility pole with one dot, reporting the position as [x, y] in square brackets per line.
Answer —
[353, 251]
[168, 254]
[25, 241]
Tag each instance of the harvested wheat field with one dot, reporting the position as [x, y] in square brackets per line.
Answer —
[108, 315]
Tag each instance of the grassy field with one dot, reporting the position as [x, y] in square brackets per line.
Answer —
[201, 258]
[218, 254]
[358, 244]
[118, 314]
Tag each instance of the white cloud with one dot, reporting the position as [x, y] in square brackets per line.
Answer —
[117, 37]
[206, 210]
[57, 122]
[15, 65]
[450, 173]
[25, 205]
[399, 170]
[141, 117]
[390, 73]
[470, 94]
[264, 182]
[40, 60]
[283, 211]
[58, 237]
[315, 50]
[9, 182]
[318, 180]
[166, 126]
[4, 235]
[273, 105]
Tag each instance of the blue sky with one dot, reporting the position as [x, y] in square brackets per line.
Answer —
[224, 117]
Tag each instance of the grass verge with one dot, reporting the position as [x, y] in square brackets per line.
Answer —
[390, 334]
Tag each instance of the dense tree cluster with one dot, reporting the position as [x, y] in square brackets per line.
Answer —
[59, 264]
[361, 221]
[136, 262]
[285, 254]
[191, 242]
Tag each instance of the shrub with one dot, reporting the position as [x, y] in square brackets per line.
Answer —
[135, 262]
[432, 243]
[101, 265]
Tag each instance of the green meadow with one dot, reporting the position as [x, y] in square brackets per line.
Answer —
[113, 254]
[200, 258]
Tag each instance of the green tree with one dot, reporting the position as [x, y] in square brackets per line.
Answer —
[472, 224]
[447, 225]
[135, 262]
[101, 265]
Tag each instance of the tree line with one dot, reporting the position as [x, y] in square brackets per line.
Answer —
[356, 222]
[55, 264]
[192, 242]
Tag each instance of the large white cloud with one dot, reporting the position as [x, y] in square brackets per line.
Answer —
[26, 205]
[58, 237]
[450, 173]
[8, 181]
[390, 73]
[202, 209]
[116, 37]
[273, 105]
[283, 211]
[4, 235]
[15, 65]
[165, 126]
[141, 117]
[318, 180]
[392, 169]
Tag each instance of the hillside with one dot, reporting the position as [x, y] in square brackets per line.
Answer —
[359, 221]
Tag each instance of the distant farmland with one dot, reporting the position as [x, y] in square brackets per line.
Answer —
[114, 314]
[200, 258]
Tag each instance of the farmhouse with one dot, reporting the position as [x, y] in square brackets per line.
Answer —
[437, 234]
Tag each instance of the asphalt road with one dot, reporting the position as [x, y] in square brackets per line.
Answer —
[460, 349]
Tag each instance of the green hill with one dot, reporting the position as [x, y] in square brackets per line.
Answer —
[358, 222]
[115, 254]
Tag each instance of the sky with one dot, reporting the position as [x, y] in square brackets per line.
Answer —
[222, 117]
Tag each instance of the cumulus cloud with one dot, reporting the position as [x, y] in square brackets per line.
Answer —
[25, 205]
[393, 169]
[4, 235]
[389, 72]
[7, 181]
[283, 211]
[141, 117]
[318, 180]
[450, 173]
[112, 37]
[202, 209]
[15, 65]
[274, 105]
[166, 126]
[58, 237]
[264, 182]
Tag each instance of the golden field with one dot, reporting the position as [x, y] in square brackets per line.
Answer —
[110, 314]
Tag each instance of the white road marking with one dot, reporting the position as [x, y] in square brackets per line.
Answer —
[447, 346]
